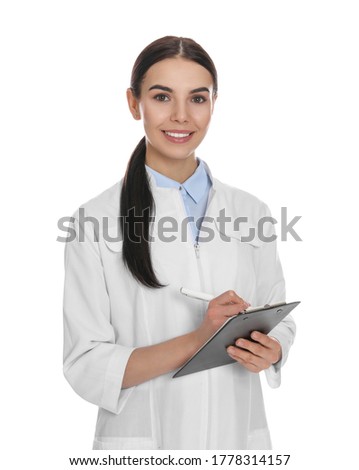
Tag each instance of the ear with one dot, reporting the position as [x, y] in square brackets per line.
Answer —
[214, 99]
[133, 104]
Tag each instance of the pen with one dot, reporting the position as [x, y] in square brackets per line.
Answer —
[196, 294]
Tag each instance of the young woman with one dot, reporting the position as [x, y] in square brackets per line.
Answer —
[169, 224]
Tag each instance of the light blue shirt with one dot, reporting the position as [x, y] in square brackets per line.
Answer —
[194, 191]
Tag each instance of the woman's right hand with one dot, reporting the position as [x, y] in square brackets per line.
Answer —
[148, 362]
[219, 310]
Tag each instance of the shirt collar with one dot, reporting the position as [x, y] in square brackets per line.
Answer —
[195, 185]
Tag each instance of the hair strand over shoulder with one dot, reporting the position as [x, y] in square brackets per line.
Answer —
[137, 205]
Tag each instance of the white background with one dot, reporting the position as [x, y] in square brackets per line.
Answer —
[285, 128]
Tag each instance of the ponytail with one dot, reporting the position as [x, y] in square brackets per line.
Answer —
[136, 208]
[137, 204]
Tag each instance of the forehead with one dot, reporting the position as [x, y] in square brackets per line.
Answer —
[177, 73]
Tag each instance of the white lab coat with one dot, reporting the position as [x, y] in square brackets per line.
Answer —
[107, 314]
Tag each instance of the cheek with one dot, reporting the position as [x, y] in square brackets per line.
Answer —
[202, 116]
[152, 116]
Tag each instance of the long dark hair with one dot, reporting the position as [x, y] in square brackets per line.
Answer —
[136, 197]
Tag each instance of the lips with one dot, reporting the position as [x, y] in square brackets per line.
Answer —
[178, 137]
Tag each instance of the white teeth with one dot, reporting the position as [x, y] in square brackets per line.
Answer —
[177, 136]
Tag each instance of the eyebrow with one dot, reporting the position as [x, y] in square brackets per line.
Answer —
[169, 90]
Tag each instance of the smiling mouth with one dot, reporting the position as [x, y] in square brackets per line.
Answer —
[178, 137]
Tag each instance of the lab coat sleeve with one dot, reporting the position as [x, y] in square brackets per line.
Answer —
[93, 364]
[270, 288]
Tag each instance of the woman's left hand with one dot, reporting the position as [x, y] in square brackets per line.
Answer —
[256, 355]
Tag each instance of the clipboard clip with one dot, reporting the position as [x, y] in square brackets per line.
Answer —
[250, 309]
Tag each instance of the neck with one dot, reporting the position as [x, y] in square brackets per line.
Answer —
[177, 170]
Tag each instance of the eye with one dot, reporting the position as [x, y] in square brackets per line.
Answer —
[199, 99]
[161, 97]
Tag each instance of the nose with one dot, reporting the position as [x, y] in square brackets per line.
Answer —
[179, 112]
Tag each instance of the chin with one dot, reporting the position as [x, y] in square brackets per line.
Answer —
[176, 152]
[181, 157]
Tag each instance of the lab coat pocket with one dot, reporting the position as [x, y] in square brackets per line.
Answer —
[245, 234]
[124, 443]
[259, 440]
[236, 260]
[113, 239]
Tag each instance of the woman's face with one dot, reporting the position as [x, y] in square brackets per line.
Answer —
[176, 106]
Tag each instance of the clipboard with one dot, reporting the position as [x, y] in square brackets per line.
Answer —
[214, 352]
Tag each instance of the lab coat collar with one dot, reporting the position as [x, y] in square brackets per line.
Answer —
[153, 183]
[195, 186]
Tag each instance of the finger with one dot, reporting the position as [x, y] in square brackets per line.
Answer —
[245, 363]
[271, 343]
[247, 359]
[231, 309]
[270, 352]
[263, 339]
[253, 347]
[229, 297]
[249, 366]
[219, 314]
